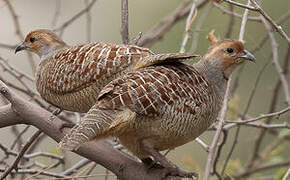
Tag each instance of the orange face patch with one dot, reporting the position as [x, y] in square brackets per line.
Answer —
[35, 39]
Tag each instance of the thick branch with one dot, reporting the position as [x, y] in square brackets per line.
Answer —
[101, 152]
[8, 116]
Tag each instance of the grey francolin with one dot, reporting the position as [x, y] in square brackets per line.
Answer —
[161, 105]
[71, 77]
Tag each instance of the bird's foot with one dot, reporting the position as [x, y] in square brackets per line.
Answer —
[169, 168]
[151, 164]
[175, 171]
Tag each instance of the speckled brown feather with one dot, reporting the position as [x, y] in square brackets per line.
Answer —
[72, 77]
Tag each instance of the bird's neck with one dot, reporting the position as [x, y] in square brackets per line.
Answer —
[45, 55]
[213, 72]
[46, 52]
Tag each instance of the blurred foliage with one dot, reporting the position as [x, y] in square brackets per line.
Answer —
[190, 163]
[52, 150]
[233, 167]
[280, 174]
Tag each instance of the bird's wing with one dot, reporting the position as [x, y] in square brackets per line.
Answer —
[149, 91]
[163, 58]
[78, 67]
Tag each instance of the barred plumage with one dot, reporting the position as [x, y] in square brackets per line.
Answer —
[163, 104]
[153, 96]
[71, 77]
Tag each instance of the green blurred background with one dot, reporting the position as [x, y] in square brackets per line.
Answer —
[143, 15]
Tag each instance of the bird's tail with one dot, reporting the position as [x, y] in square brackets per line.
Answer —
[164, 58]
[91, 126]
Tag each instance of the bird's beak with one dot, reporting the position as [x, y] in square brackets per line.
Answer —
[20, 47]
[249, 56]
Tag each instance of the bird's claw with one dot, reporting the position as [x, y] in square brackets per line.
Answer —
[150, 164]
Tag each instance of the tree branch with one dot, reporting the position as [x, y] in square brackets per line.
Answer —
[101, 152]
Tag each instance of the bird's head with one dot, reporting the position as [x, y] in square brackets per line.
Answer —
[41, 42]
[228, 54]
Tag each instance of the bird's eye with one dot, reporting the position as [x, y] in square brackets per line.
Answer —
[230, 50]
[32, 39]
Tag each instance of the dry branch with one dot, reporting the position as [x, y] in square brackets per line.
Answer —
[101, 152]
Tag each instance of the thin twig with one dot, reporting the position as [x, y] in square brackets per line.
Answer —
[158, 31]
[33, 171]
[18, 136]
[262, 168]
[261, 116]
[271, 21]
[75, 167]
[241, 38]
[190, 18]
[7, 46]
[19, 32]
[202, 144]
[234, 14]
[20, 155]
[56, 13]
[276, 61]
[231, 23]
[62, 27]
[89, 23]
[258, 141]
[287, 174]
[244, 21]
[198, 27]
[213, 146]
[279, 21]
[268, 126]
[125, 21]
[241, 5]
[219, 150]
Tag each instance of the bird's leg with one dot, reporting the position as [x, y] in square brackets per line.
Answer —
[170, 168]
[147, 161]
[66, 125]
[56, 112]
